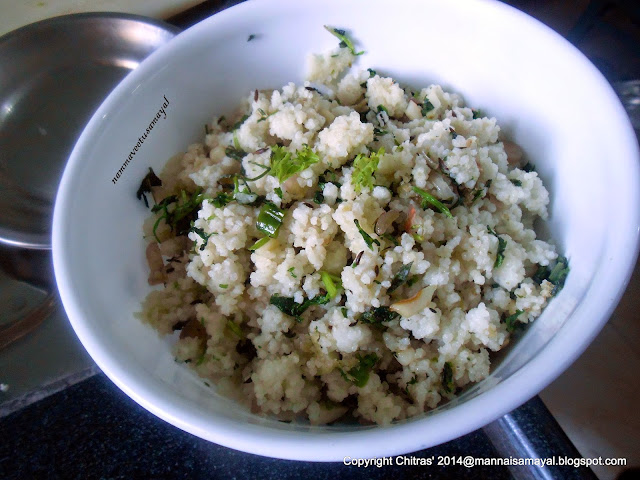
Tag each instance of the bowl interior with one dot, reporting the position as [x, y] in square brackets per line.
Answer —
[556, 106]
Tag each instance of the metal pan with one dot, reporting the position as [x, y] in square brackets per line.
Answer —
[53, 76]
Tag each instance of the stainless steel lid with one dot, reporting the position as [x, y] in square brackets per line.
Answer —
[53, 75]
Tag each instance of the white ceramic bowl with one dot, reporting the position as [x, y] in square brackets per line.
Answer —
[545, 94]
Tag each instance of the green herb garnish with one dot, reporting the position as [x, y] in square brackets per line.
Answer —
[367, 238]
[359, 375]
[278, 191]
[263, 115]
[511, 320]
[202, 234]
[291, 270]
[288, 305]
[556, 275]
[238, 124]
[372, 72]
[364, 169]
[447, 378]
[235, 153]
[150, 180]
[235, 328]
[264, 173]
[517, 183]
[382, 108]
[377, 315]
[178, 211]
[221, 200]
[345, 42]
[476, 195]
[332, 284]
[427, 106]
[344, 312]
[391, 238]
[529, 167]
[318, 197]
[223, 285]
[270, 219]
[259, 243]
[284, 165]
[400, 277]
[477, 113]
[428, 199]
[502, 245]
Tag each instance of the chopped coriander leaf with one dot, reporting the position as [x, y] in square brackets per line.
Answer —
[259, 243]
[359, 375]
[344, 312]
[367, 238]
[529, 167]
[391, 238]
[263, 115]
[502, 245]
[284, 165]
[477, 113]
[428, 199]
[291, 270]
[270, 219]
[377, 132]
[332, 284]
[318, 197]
[364, 169]
[288, 305]
[278, 191]
[476, 195]
[382, 108]
[411, 281]
[235, 328]
[427, 106]
[372, 72]
[517, 183]
[202, 234]
[238, 124]
[345, 42]
[558, 274]
[264, 172]
[511, 320]
[400, 277]
[223, 285]
[178, 211]
[221, 200]
[377, 315]
[413, 381]
[150, 180]
[447, 378]
[235, 153]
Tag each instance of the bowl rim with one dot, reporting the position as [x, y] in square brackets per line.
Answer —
[395, 439]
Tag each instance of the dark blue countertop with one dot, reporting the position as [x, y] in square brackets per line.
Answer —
[93, 430]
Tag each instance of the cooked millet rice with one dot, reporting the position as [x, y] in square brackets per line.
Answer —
[279, 366]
